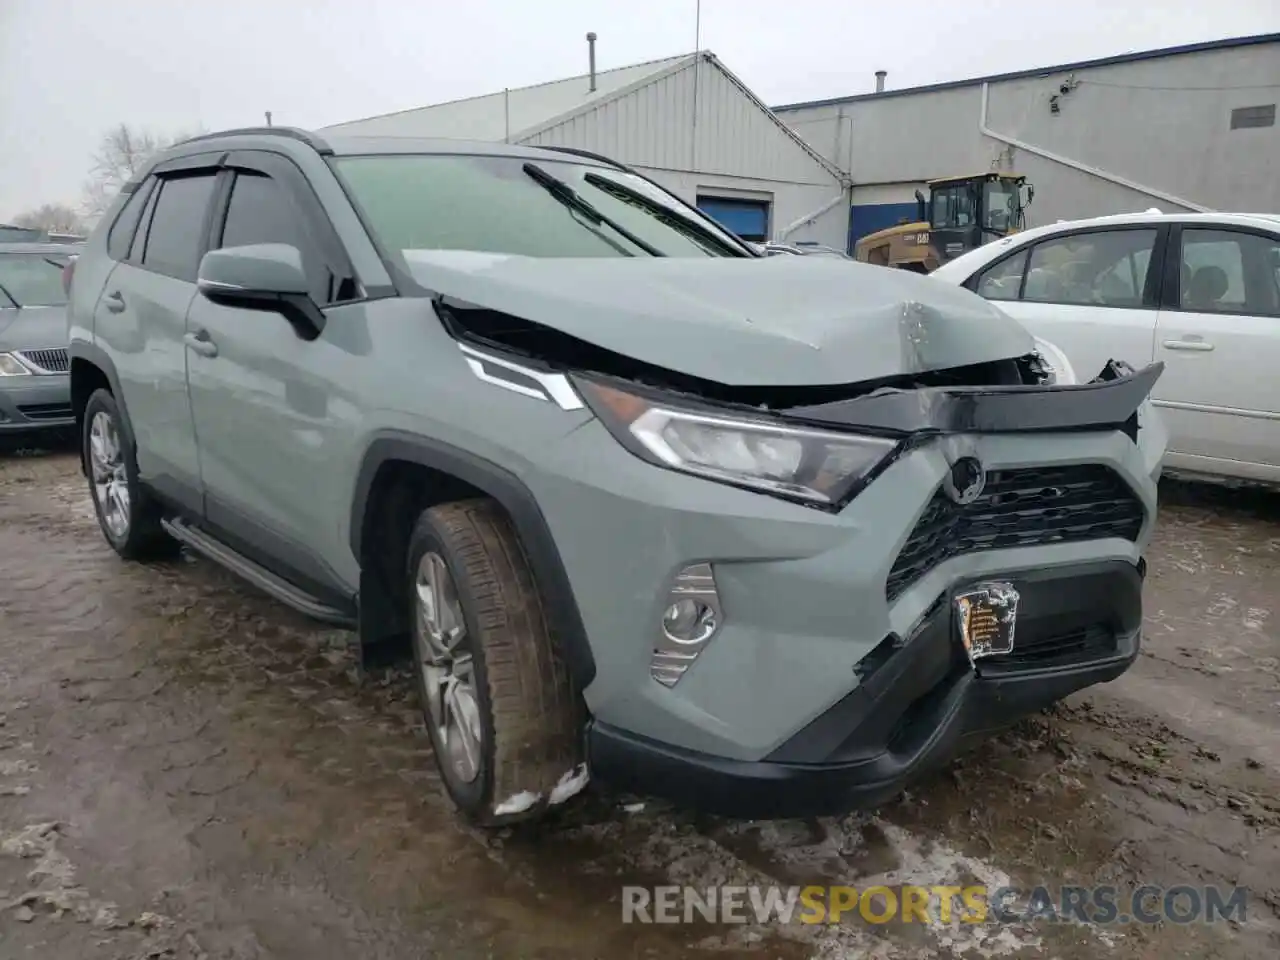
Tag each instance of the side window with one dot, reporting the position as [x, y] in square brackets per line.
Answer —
[261, 211]
[177, 231]
[1106, 268]
[121, 234]
[1002, 281]
[1227, 272]
[139, 242]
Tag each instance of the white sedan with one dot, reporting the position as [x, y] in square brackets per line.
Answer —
[1198, 292]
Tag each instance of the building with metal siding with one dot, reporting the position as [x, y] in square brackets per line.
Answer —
[1182, 128]
[687, 122]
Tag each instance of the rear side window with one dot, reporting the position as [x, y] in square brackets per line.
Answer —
[121, 235]
[1224, 271]
[176, 237]
[139, 243]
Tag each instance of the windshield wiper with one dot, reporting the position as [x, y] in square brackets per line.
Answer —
[672, 218]
[10, 297]
[570, 198]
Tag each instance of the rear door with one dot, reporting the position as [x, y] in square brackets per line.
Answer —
[140, 319]
[1091, 292]
[1219, 336]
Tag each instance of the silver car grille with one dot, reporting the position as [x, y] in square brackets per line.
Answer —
[48, 360]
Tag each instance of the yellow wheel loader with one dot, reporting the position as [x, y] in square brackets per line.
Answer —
[961, 213]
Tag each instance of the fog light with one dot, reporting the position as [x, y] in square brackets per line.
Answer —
[691, 618]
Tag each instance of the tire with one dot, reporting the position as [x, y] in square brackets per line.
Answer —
[113, 472]
[522, 711]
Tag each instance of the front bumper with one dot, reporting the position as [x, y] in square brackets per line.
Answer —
[917, 699]
[35, 403]
[806, 594]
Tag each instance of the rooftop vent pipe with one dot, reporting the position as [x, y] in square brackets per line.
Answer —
[591, 57]
[880, 75]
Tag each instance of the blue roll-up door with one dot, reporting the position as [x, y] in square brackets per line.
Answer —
[749, 219]
[869, 217]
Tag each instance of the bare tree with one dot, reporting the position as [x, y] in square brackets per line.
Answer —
[123, 152]
[51, 218]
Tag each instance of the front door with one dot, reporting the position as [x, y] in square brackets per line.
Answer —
[1092, 293]
[1219, 337]
[268, 406]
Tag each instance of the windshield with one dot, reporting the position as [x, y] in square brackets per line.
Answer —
[492, 204]
[1000, 213]
[31, 280]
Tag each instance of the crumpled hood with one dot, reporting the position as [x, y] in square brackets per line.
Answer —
[32, 328]
[780, 321]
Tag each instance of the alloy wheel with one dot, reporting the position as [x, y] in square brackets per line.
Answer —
[110, 479]
[448, 670]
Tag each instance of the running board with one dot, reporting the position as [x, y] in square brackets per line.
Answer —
[262, 578]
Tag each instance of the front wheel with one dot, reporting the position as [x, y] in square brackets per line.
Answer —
[500, 708]
[129, 518]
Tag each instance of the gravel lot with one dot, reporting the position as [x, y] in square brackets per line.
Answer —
[188, 770]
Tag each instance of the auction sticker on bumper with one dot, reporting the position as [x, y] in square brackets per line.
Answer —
[986, 614]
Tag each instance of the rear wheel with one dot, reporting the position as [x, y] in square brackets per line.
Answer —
[499, 706]
[129, 518]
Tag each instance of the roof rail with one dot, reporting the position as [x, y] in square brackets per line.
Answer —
[293, 133]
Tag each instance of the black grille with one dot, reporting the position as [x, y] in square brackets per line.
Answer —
[1020, 508]
[1076, 646]
[53, 359]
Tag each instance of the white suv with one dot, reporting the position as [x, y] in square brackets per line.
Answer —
[1198, 292]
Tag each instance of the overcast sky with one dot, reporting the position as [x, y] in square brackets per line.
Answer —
[71, 68]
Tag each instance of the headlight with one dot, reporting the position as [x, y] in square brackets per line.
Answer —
[809, 465]
[10, 367]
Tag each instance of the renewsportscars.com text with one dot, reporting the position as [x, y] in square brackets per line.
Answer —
[940, 904]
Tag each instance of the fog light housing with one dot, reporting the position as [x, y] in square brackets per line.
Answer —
[690, 618]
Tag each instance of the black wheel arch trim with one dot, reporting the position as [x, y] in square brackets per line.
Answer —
[519, 502]
[95, 355]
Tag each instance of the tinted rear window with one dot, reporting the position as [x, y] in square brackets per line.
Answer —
[32, 280]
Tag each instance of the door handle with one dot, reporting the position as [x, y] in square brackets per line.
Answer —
[1199, 345]
[201, 344]
[115, 302]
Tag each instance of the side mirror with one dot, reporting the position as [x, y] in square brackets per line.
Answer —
[262, 276]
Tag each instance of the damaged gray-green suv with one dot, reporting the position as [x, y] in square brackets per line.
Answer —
[767, 536]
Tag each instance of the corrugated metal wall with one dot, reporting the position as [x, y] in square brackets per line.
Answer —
[1163, 122]
[734, 150]
[654, 127]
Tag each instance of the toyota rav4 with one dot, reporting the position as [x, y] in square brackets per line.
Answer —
[767, 536]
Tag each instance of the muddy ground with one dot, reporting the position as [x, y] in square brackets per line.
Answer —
[188, 770]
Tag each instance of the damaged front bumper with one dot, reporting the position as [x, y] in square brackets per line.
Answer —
[1110, 400]
[914, 705]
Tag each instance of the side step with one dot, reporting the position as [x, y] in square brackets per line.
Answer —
[266, 581]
